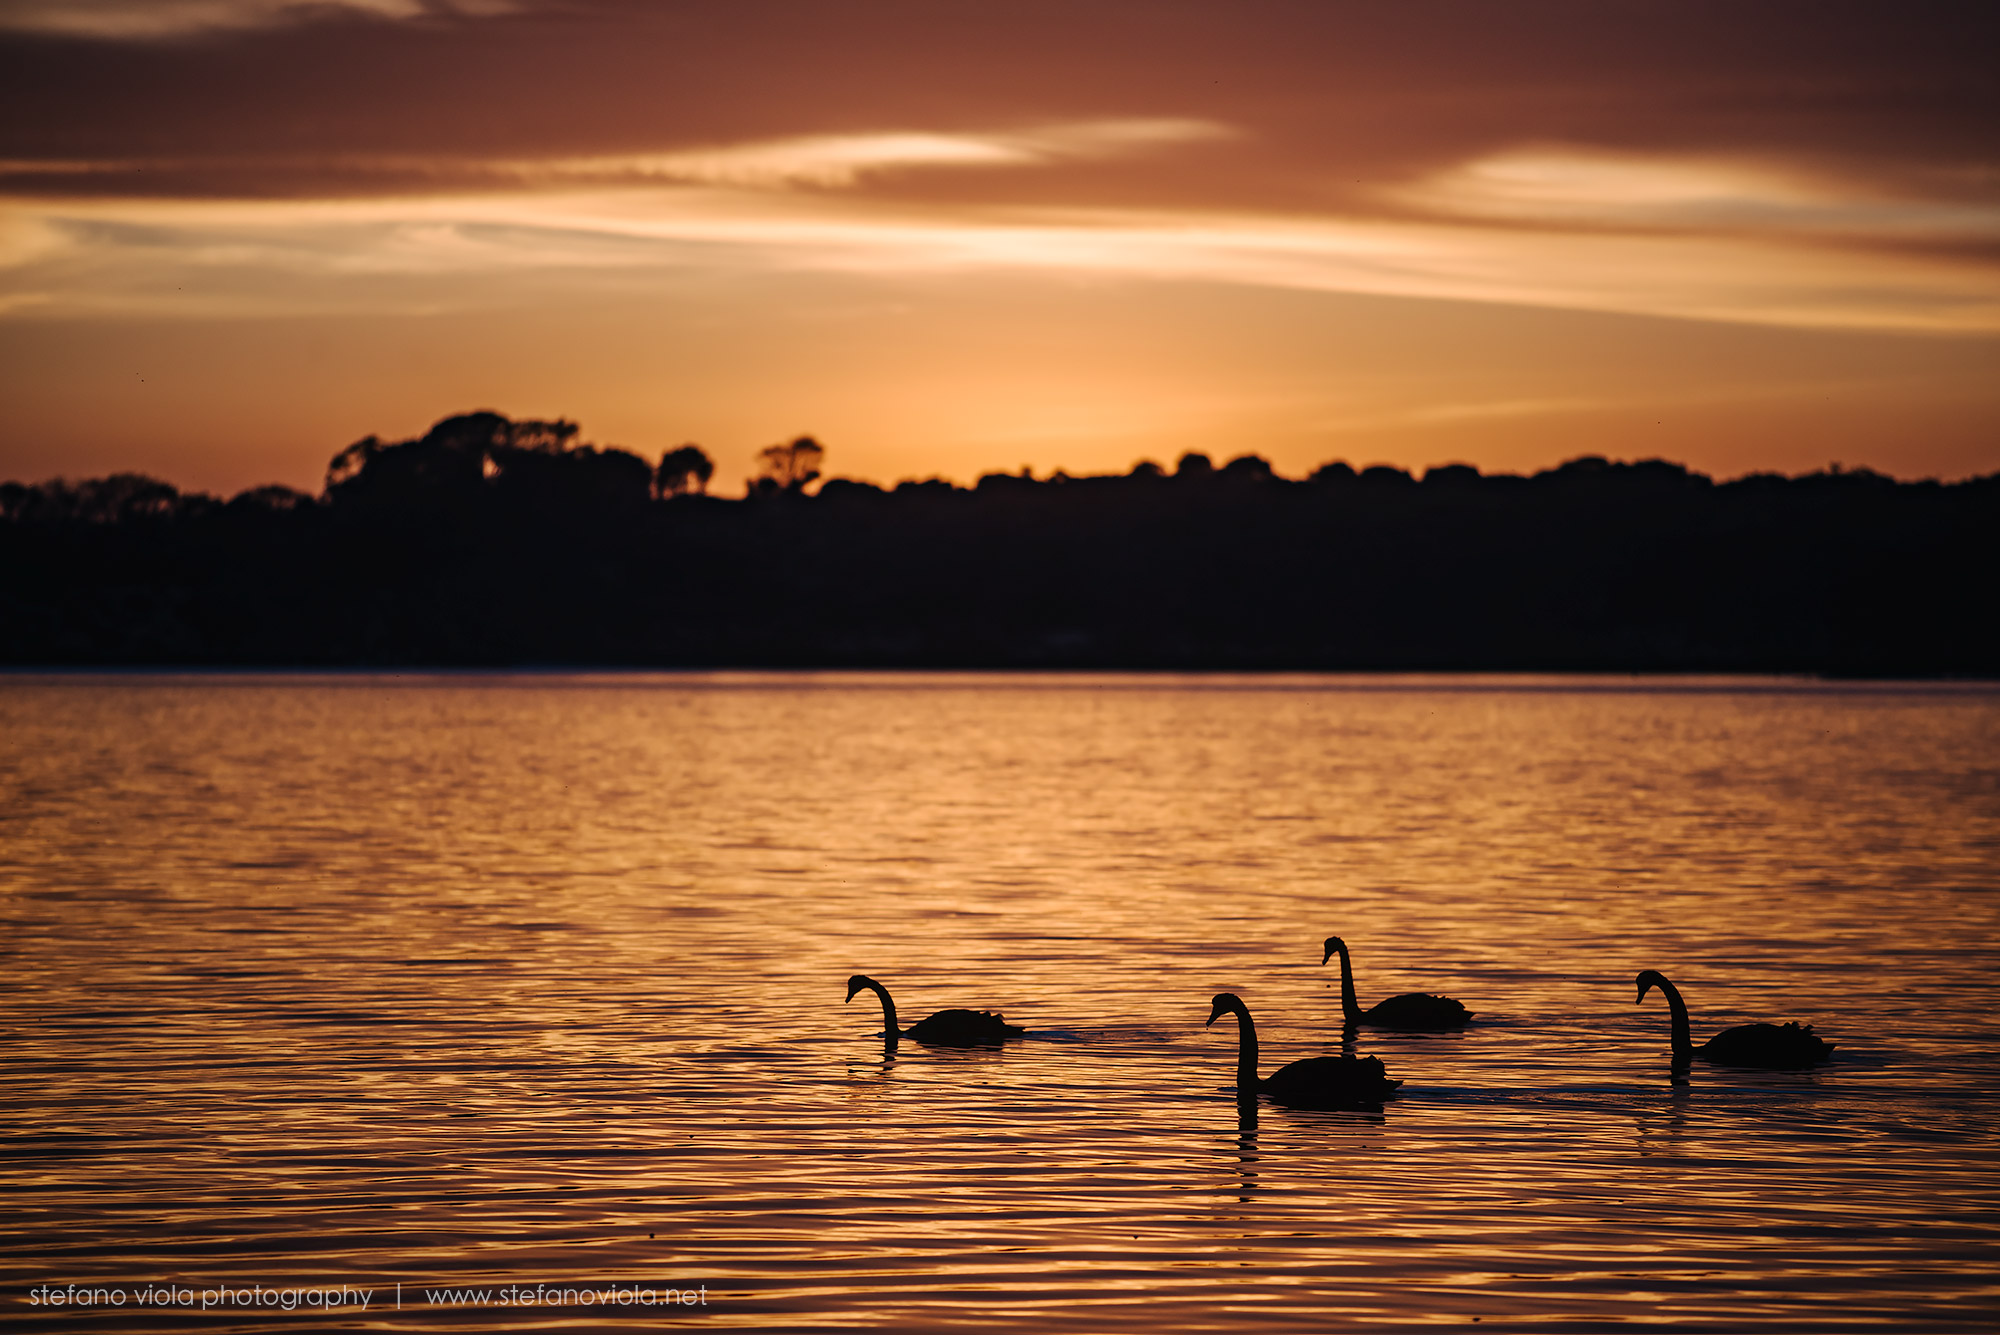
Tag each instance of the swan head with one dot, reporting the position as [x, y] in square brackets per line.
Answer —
[1225, 1002]
[1333, 943]
[1647, 981]
[856, 983]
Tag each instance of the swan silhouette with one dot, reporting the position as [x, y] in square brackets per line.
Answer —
[1775, 1047]
[1412, 1010]
[1315, 1082]
[950, 1029]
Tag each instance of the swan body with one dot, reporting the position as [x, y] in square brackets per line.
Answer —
[1316, 1082]
[1412, 1010]
[1777, 1047]
[950, 1029]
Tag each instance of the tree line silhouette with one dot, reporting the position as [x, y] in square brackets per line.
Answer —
[490, 542]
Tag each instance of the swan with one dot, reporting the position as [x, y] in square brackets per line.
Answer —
[952, 1028]
[1316, 1082]
[1412, 1010]
[1774, 1046]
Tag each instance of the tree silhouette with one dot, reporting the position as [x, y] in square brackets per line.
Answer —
[1248, 468]
[791, 466]
[683, 470]
[493, 542]
[117, 499]
[470, 454]
[540, 437]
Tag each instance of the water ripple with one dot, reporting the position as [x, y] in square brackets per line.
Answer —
[482, 981]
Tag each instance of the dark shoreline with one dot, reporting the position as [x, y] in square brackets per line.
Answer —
[441, 553]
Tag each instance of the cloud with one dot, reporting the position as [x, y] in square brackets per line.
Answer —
[150, 19]
[817, 162]
[1807, 164]
[1329, 94]
[276, 254]
[840, 161]
[1567, 188]
[1475, 411]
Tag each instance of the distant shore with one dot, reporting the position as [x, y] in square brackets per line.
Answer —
[451, 551]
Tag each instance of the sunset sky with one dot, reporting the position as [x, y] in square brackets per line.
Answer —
[948, 238]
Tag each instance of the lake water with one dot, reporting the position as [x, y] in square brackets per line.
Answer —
[497, 982]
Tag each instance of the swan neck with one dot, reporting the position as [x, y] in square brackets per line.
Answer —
[889, 1027]
[1683, 1041]
[1348, 1005]
[1246, 1049]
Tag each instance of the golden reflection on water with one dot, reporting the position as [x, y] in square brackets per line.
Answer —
[489, 980]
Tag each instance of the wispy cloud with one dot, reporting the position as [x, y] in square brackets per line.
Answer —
[1682, 238]
[143, 19]
[838, 161]
[87, 253]
[1570, 188]
[812, 162]
[1483, 410]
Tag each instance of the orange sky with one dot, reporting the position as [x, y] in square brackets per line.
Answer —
[947, 239]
